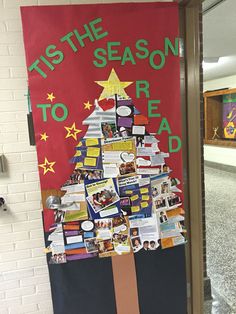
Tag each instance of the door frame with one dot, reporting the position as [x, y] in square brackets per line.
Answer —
[190, 11]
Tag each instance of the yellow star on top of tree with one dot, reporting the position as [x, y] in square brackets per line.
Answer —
[72, 131]
[44, 137]
[47, 166]
[87, 105]
[50, 97]
[113, 86]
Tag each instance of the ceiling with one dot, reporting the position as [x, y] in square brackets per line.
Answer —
[219, 38]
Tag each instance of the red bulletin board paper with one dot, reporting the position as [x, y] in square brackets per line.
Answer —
[72, 80]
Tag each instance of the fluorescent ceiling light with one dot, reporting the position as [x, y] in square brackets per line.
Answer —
[223, 61]
[208, 66]
[211, 59]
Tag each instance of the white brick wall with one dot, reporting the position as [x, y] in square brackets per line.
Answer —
[24, 280]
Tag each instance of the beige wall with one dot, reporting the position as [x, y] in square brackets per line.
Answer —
[224, 82]
[24, 282]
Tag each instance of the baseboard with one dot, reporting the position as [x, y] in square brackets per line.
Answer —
[219, 166]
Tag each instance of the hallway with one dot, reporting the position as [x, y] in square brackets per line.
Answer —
[221, 234]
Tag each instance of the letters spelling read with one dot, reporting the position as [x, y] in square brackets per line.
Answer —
[174, 141]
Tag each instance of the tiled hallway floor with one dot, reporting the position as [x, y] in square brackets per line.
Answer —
[221, 238]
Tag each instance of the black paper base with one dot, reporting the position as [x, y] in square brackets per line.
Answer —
[86, 286]
[161, 277]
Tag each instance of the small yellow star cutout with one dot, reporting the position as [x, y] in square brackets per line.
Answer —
[50, 97]
[44, 137]
[47, 166]
[72, 131]
[113, 86]
[87, 105]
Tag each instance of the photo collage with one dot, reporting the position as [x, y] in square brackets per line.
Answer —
[120, 197]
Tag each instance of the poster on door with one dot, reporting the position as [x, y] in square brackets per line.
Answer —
[104, 83]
